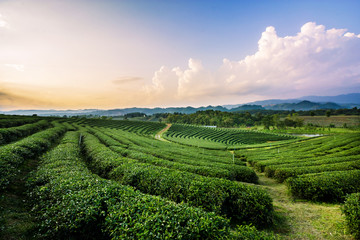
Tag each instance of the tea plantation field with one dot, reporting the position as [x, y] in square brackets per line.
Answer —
[102, 179]
[325, 168]
[219, 138]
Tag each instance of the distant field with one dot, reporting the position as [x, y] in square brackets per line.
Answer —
[338, 121]
[219, 138]
[322, 169]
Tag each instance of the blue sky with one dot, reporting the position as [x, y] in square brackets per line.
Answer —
[217, 29]
[105, 54]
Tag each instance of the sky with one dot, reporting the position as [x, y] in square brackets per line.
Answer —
[76, 54]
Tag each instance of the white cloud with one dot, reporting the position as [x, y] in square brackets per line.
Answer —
[3, 23]
[314, 61]
[164, 85]
[195, 81]
[17, 67]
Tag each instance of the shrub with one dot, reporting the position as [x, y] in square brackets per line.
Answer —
[72, 203]
[14, 133]
[238, 201]
[351, 210]
[327, 186]
[13, 155]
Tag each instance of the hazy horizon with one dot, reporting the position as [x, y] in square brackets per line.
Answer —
[119, 54]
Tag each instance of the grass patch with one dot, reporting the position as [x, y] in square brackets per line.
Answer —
[302, 219]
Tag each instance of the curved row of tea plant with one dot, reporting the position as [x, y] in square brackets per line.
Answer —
[13, 155]
[11, 134]
[14, 121]
[325, 186]
[139, 127]
[71, 202]
[282, 173]
[320, 169]
[351, 210]
[233, 199]
[175, 152]
[220, 135]
[308, 150]
[231, 172]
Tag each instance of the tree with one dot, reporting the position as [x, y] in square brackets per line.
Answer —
[328, 113]
[276, 120]
[268, 121]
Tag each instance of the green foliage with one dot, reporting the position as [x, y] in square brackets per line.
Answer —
[228, 171]
[13, 155]
[71, 202]
[135, 114]
[139, 127]
[7, 121]
[327, 186]
[328, 113]
[8, 135]
[321, 169]
[238, 201]
[351, 210]
[223, 137]
[251, 233]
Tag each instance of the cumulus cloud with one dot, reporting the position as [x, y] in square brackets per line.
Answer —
[195, 81]
[314, 61]
[3, 23]
[164, 85]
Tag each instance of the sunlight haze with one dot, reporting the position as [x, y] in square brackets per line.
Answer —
[111, 54]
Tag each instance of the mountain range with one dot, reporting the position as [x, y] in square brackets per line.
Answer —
[303, 103]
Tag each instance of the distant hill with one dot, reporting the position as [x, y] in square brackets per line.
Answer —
[303, 105]
[150, 111]
[345, 101]
[339, 99]
[247, 107]
[114, 112]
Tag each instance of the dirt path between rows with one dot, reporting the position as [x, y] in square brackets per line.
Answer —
[158, 136]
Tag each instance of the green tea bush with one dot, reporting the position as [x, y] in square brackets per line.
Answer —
[221, 135]
[72, 203]
[174, 152]
[233, 199]
[281, 174]
[138, 127]
[327, 186]
[13, 121]
[13, 155]
[228, 171]
[351, 210]
[8, 135]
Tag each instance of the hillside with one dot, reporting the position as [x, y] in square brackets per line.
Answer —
[304, 105]
[347, 101]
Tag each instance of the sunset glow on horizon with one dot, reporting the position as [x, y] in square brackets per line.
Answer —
[116, 54]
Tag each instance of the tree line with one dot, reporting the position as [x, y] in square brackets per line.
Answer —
[267, 118]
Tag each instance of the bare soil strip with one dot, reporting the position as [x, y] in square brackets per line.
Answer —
[158, 136]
